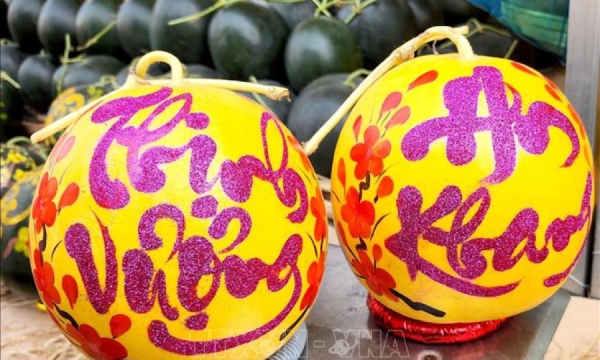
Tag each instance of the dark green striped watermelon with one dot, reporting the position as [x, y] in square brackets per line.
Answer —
[96, 24]
[11, 103]
[57, 19]
[320, 46]
[22, 19]
[15, 268]
[15, 163]
[11, 58]
[35, 79]
[133, 26]
[380, 27]
[247, 39]
[187, 41]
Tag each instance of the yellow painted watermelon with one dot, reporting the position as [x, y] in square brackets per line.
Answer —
[177, 219]
[463, 186]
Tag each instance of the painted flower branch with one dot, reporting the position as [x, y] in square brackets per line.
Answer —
[397, 57]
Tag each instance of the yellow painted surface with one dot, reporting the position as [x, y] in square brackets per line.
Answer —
[473, 207]
[178, 221]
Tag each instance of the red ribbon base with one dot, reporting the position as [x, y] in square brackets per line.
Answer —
[429, 333]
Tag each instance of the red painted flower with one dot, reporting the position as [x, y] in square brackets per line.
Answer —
[43, 210]
[317, 208]
[296, 145]
[315, 275]
[69, 196]
[94, 346]
[370, 154]
[341, 235]
[386, 186]
[63, 147]
[360, 215]
[341, 171]
[43, 275]
[378, 280]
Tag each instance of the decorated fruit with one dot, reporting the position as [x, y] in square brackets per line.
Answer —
[154, 224]
[15, 270]
[73, 99]
[464, 187]
[37, 152]
[15, 162]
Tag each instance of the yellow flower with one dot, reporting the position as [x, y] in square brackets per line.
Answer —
[21, 243]
[15, 157]
[19, 175]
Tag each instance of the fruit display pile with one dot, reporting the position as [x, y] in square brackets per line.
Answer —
[59, 55]
[320, 50]
[158, 171]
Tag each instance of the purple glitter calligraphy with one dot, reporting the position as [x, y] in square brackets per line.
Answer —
[465, 255]
[145, 280]
[79, 246]
[147, 177]
[505, 123]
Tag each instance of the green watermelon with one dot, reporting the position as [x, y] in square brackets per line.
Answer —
[15, 162]
[15, 268]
